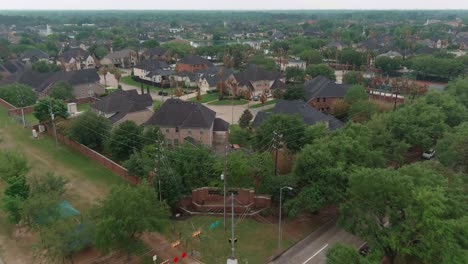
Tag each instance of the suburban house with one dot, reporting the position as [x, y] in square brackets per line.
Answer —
[277, 35]
[193, 63]
[157, 53]
[391, 54]
[34, 55]
[85, 83]
[152, 71]
[439, 42]
[337, 45]
[291, 63]
[322, 92]
[254, 79]
[125, 58]
[461, 42]
[182, 121]
[11, 67]
[76, 59]
[122, 106]
[307, 113]
[190, 79]
[211, 77]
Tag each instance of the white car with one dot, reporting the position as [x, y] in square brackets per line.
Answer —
[428, 154]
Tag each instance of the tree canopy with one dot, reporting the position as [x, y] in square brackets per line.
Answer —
[19, 95]
[321, 69]
[48, 105]
[91, 130]
[125, 139]
[62, 90]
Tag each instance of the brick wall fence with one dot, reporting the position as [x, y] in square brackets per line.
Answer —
[14, 110]
[99, 158]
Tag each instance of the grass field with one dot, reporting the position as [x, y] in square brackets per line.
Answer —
[206, 98]
[271, 102]
[82, 107]
[229, 102]
[256, 243]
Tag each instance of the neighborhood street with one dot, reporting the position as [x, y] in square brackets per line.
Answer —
[313, 248]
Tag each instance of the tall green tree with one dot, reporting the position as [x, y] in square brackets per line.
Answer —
[387, 64]
[126, 213]
[407, 217]
[46, 105]
[19, 95]
[352, 77]
[91, 130]
[62, 90]
[355, 93]
[454, 110]
[244, 120]
[126, 139]
[459, 90]
[321, 69]
[12, 164]
[452, 148]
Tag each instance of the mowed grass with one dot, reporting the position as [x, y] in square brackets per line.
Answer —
[229, 102]
[206, 97]
[256, 242]
[271, 102]
[83, 107]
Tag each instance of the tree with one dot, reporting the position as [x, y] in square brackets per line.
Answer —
[295, 74]
[117, 76]
[353, 78]
[452, 148]
[42, 66]
[239, 170]
[126, 139]
[454, 110]
[355, 93]
[339, 109]
[292, 129]
[126, 213]
[321, 69]
[240, 136]
[352, 57]
[62, 90]
[246, 117]
[362, 111]
[12, 165]
[311, 56]
[152, 134]
[262, 61]
[46, 105]
[430, 66]
[91, 130]
[18, 95]
[408, 216]
[152, 43]
[64, 239]
[296, 92]
[49, 184]
[137, 166]
[387, 64]
[459, 90]
[341, 253]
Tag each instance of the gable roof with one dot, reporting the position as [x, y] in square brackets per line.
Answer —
[121, 54]
[12, 66]
[321, 86]
[35, 53]
[309, 115]
[220, 125]
[256, 73]
[195, 60]
[123, 102]
[157, 51]
[151, 65]
[183, 114]
[278, 84]
[75, 53]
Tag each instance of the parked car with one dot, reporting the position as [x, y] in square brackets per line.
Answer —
[162, 93]
[428, 154]
[256, 98]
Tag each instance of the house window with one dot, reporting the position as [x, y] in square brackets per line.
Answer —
[177, 129]
[324, 100]
[318, 100]
[167, 130]
[176, 142]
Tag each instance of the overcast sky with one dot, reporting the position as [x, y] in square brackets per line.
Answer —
[233, 4]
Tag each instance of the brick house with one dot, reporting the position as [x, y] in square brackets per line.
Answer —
[76, 59]
[193, 63]
[125, 58]
[255, 80]
[193, 122]
[322, 92]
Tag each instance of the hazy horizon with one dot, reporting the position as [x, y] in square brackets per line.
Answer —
[239, 5]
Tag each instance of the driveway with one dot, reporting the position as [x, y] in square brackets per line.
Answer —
[313, 248]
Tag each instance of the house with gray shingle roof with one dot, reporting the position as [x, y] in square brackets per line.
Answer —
[255, 80]
[321, 92]
[307, 113]
[34, 55]
[125, 105]
[125, 58]
[183, 121]
[76, 59]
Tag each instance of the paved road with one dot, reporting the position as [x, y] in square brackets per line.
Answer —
[312, 249]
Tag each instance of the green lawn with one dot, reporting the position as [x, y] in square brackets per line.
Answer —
[82, 107]
[206, 97]
[129, 81]
[266, 103]
[31, 119]
[256, 241]
[229, 102]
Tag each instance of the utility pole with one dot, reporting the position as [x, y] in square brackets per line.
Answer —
[232, 259]
[224, 184]
[276, 145]
[52, 117]
[158, 167]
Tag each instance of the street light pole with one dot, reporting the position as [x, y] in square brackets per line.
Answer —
[279, 225]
